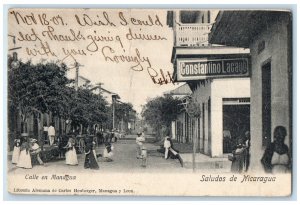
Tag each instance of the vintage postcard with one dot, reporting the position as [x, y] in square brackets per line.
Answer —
[149, 102]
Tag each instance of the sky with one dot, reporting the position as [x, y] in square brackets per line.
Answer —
[94, 38]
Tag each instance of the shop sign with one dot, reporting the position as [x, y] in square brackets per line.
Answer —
[200, 69]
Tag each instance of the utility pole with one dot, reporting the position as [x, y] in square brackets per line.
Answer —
[192, 108]
[77, 65]
[77, 74]
[113, 108]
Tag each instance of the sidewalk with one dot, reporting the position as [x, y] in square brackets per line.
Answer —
[204, 162]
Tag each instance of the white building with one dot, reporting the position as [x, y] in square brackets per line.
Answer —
[268, 34]
[218, 77]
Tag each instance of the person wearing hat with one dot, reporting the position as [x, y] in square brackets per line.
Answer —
[108, 152]
[35, 151]
[25, 158]
[139, 141]
[71, 156]
[17, 149]
[171, 151]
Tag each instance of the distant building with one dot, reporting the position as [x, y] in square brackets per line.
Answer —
[179, 126]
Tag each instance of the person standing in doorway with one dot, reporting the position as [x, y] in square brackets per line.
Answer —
[276, 158]
[238, 160]
[51, 134]
[247, 145]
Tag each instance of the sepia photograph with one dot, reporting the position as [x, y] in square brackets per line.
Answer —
[149, 102]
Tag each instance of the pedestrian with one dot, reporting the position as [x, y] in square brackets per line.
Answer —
[35, 151]
[51, 134]
[171, 151]
[94, 148]
[99, 135]
[17, 149]
[90, 161]
[71, 156]
[25, 158]
[108, 153]
[238, 159]
[167, 145]
[139, 141]
[276, 157]
[45, 136]
[144, 156]
[247, 144]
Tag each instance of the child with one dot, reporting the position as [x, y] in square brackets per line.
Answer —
[107, 153]
[144, 156]
[35, 151]
[139, 141]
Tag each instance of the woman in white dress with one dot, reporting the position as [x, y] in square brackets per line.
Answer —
[25, 158]
[71, 156]
[17, 150]
[94, 150]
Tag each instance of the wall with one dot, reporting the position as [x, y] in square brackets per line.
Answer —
[276, 51]
[202, 94]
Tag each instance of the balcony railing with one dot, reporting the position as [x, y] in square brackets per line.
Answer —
[192, 34]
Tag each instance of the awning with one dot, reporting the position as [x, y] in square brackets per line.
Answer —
[238, 28]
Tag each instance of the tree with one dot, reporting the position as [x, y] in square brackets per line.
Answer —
[37, 88]
[87, 108]
[124, 113]
[159, 113]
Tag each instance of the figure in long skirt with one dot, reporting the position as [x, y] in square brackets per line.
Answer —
[94, 149]
[25, 158]
[90, 160]
[71, 156]
[17, 150]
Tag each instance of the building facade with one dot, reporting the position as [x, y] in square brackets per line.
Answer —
[268, 35]
[218, 77]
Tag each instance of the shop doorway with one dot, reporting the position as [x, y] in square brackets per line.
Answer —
[236, 121]
[266, 104]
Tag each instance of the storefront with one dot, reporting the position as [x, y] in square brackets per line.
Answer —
[219, 79]
[268, 35]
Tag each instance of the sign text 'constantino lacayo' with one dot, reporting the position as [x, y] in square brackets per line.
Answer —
[203, 68]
